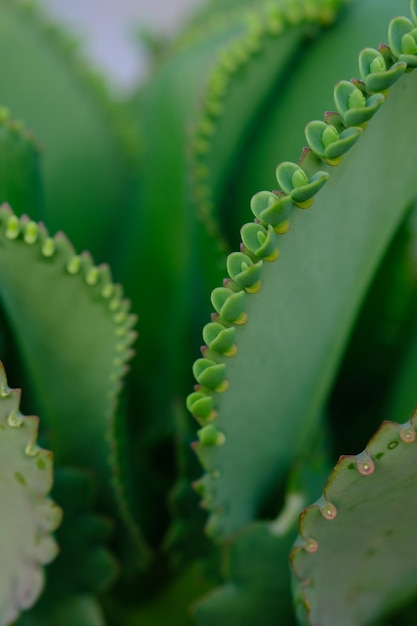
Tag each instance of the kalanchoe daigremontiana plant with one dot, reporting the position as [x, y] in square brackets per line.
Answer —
[250, 166]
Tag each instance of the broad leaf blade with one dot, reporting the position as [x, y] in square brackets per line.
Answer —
[291, 345]
[28, 516]
[353, 560]
[20, 183]
[306, 94]
[74, 331]
[67, 106]
[239, 61]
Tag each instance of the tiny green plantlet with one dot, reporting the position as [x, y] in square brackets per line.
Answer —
[258, 190]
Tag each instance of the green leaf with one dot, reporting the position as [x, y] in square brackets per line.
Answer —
[193, 131]
[249, 67]
[354, 107]
[28, 515]
[295, 334]
[402, 37]
[277, 134]
[328, 143]
[257, 582]
[294, 181]
[258, 587]
[244, 271]
[219, 338]
[230, 305]
[374, 71]
[353, 558]
[270, 209]
[259, 241]
[20, 183]
[82, 132]
[84, 566]
[84, 563]
[210, 374]
[83, 610]
[74, 332]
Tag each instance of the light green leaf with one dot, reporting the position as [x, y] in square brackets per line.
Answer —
[74, 332]
[81, 130]
[352, 562]
[288, 351]
[28, 515]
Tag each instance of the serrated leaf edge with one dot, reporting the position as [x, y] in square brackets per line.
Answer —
[309, 162]
[365, 465]
[233, 59]
[98, 279]
[49, 514]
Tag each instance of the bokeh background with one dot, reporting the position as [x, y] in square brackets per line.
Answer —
[108, 29]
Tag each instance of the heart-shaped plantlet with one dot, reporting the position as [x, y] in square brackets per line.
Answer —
[27, 515]
[354, 542]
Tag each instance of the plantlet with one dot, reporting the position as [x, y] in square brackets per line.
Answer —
[249, 124]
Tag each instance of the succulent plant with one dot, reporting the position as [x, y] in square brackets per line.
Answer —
[253, 193]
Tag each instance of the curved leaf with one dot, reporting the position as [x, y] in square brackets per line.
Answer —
[289, 349]
[74, 332]
[202, 116]
[354, 544]
[28, 516]
[306, 94]
[66, 105]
